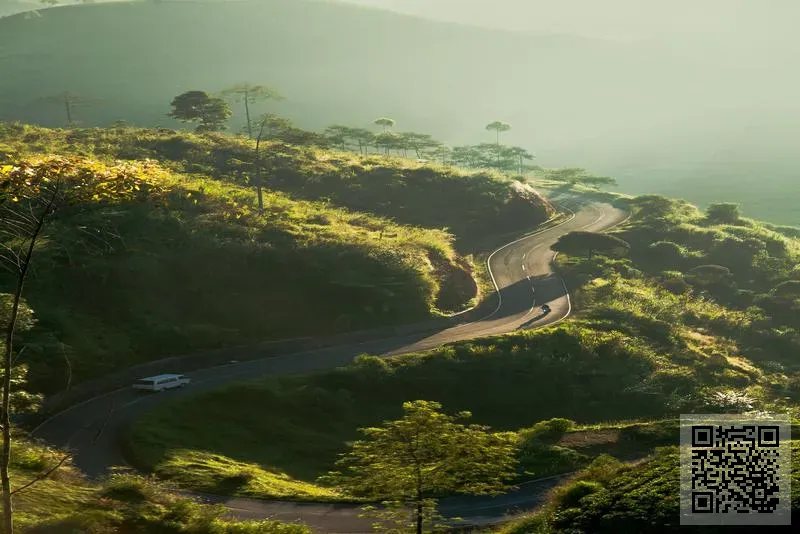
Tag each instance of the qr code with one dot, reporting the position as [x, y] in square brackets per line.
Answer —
[735, 470]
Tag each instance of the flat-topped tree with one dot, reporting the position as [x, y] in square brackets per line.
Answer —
[388, 141]
[250, 94]
[194, 106]
[364, 138]
[521, 156]
[417, 142]
[339, 135]
[498, 127]
[386, 122]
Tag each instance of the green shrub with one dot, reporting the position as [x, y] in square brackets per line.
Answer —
[571, 497]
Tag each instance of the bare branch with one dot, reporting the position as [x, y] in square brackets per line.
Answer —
[43, 475]
[69, 368]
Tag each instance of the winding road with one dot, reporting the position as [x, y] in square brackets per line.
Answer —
[523, 275]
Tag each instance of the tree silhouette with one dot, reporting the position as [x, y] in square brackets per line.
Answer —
[521, 155]
[250, 94]
[69, 101]
[498, 127]
[411, 461]
[193, 106]
[385, 122]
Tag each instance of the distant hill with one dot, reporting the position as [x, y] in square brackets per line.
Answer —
[573, 100]
[10, 7]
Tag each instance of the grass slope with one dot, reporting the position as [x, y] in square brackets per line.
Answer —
[65, 502]
[198, 268]
[610, 497]
[472, 205]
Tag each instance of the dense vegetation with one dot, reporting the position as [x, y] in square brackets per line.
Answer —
[197, 267]
[470, 204]
[741, 351]
[644, 348]
[611, 497]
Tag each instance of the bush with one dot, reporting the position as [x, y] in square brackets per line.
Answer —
[571, 497]
[666, 253]
[723, 213]
[547, 431]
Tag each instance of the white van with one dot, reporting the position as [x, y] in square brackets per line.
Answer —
[162, 382]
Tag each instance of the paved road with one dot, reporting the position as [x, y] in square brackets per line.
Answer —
[523, 274]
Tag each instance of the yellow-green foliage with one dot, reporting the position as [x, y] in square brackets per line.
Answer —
[212, 473]
[142, 262]
[469, 204]
[65, 502]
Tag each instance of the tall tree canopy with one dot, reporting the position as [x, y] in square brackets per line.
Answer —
[194, 106]
[250, 94]
[386, 122]
[408, 462]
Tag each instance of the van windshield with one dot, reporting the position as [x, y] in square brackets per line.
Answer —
[145, 381]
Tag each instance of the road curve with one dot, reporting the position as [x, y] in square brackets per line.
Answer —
[522, 272]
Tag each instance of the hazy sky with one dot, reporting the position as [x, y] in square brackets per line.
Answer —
[766, 20]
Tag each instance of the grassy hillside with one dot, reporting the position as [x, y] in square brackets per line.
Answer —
[191, 265]
[644, 347]
[611, 497]
[471, 205]
[66, 502]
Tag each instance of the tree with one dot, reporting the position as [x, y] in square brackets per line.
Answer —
[417, 142]
[69, 101]
[388, 141]
[582, 243]
[272, 126]
[266, 122]
[424, 454]
[521, 156]
[440, 152]
[364, 138]
[498, 127]
[339, 135]
[467, 156]
[31, 192]
[193, 106]
[385, 122]
[250, 94]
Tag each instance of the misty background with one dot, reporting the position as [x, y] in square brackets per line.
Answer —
[691, 99]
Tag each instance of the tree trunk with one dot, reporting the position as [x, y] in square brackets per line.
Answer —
[419, 517]
[498, 148]
[260, 196]
[68, 108]
[5, 458]
[247, 114]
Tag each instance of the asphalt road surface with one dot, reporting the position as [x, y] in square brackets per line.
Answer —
[523, 274]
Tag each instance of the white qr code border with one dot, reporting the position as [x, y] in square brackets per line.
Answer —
[709, 490]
